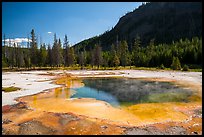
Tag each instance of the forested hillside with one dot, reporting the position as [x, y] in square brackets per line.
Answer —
[162, 21]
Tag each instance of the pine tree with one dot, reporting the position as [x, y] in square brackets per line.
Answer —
[85, 57]
[60, 56]
[116, 60]
[33, 48]
[27, 59]
[81, 59]
[112, 52]
[66, 56]
[176, 64]
[71, 57]
[135, 50]
[124, 53]
[56, 51]
[13, 56]
[49, 59]
[97, 56]
[105, 58]
[92, 58]
[42, 55]
[66, 51]
[17, 55]
[21, 58]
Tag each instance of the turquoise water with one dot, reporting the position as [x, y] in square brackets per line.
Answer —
[117, 91]
[87, 92]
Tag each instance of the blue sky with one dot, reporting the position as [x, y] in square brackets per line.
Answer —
[79, 20]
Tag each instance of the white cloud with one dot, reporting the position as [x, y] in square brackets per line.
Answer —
[49, 32]
[16, 40]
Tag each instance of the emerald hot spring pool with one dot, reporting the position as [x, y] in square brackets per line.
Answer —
[124, 91]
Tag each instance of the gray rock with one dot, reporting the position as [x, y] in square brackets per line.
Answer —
[35, 128]
[176, 130]
[66, 118]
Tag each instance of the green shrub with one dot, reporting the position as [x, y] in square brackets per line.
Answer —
[185, 68]
[162, 66]
[10, 89]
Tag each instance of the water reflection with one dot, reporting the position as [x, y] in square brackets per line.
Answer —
[123, 90]
[34, 99]
[58, 93]
[62, 92]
